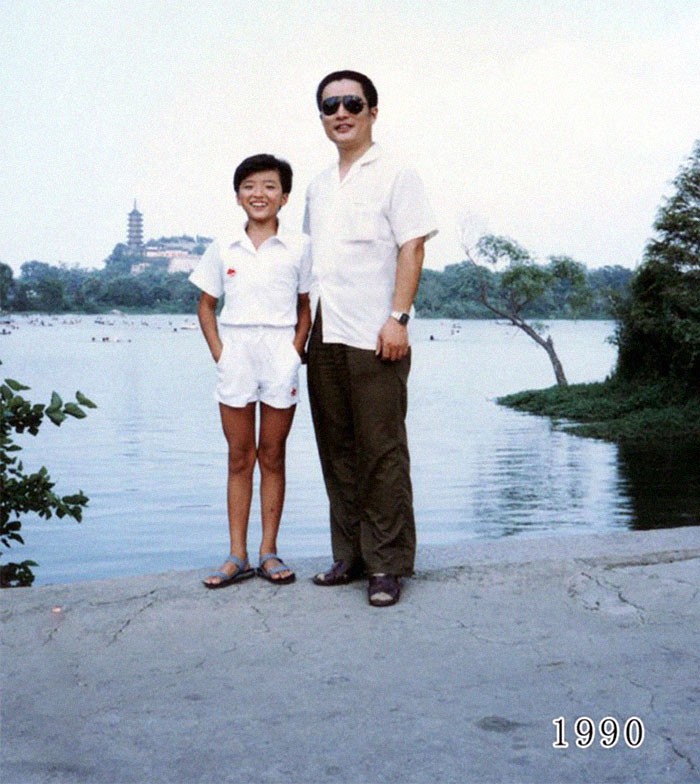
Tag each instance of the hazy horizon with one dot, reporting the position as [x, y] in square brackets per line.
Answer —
[559, 124]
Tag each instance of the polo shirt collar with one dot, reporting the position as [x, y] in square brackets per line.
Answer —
[240, 237]
[283, 234]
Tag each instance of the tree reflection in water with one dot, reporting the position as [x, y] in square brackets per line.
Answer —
[663, 484]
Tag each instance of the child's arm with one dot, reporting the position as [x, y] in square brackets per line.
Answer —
[303, 326]
[206, 312]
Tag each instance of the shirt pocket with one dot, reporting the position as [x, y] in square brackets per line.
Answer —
[361, 223]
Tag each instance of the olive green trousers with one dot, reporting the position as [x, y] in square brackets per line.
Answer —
[358, 404]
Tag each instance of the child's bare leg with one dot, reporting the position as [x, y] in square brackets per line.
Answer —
[275, 424]
[239, 430]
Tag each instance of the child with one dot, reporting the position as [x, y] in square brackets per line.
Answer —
[264, 273]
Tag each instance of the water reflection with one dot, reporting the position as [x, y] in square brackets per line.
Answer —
[663, 484]
[553, 482]
[481, 470]
[152, 457]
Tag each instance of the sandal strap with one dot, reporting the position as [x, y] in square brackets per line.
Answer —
[241, 566]
[268, 557]
[383, 583]
[236, 561]
[339, 569]
[265, 557]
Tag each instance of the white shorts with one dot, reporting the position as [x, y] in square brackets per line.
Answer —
[258, 363]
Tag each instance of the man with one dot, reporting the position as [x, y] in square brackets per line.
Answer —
[368, 219]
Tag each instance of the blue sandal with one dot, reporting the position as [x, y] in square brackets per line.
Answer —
[243, 572]
[268, 574]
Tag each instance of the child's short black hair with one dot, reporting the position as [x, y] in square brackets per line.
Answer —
[368, 87]
[263, 162]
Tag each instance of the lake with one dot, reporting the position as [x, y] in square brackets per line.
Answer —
[152, 458]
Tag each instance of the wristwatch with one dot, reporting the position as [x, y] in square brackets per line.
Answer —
[402, 318]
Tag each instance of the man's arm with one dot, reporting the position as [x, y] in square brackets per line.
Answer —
[206, 312]
[392, 342]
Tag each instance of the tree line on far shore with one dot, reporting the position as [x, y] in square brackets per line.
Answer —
[456, 292]
[451, 293]
[44, 288]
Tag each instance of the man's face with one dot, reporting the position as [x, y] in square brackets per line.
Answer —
[261, 196]
[344, 129]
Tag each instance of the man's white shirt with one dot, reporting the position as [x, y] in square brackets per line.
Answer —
[357, 226]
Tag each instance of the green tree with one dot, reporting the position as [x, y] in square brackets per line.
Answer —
[20, 492]
[658, 332]
[430, 295]
[50, 295]
[120, 260]
[523, 286]
[43, 287]
[20, 297]
[6, 284]
[124, 291]
[609, 286]
[74, 279]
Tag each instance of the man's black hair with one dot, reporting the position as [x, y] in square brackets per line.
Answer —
[368, 87]
[263, 162]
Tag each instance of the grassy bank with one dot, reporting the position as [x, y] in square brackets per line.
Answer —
[615, 411]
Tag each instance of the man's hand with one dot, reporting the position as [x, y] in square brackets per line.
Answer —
[392, 343]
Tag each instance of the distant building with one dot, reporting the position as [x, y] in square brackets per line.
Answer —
[134, 237]
[174, 254]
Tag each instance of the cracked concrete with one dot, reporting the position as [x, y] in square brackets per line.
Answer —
[154, 679]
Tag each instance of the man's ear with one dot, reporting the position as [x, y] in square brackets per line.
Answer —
[285, 199]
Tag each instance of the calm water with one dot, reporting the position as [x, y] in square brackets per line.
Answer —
[152, 458]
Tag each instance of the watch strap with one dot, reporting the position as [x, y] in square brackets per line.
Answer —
[402, 318]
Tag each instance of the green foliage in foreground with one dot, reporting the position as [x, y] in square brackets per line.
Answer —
[21, 492]
[617, 411]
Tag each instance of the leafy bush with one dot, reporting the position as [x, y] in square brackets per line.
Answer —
[658, 331]
[20, 492]
[616, 410]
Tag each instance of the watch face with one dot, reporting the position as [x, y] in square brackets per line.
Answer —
[403, 319]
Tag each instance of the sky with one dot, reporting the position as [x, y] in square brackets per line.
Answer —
[559, 123]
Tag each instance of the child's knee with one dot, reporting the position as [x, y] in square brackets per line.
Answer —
[271, 457]
[241, 461]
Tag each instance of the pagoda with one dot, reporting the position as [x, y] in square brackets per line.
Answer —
[135, 230]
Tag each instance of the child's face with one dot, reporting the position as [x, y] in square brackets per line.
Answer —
[260, 195]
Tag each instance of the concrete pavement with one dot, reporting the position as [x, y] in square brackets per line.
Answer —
[155, 679]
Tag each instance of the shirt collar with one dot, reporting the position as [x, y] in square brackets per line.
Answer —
[239, 237]
[369, 156]
[372, 154]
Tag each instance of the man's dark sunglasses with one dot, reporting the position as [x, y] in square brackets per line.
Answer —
[353, 103]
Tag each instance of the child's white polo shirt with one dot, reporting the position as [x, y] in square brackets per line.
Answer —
[260, 287]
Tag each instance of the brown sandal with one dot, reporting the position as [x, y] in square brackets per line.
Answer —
[341, 573]
[384, 590]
